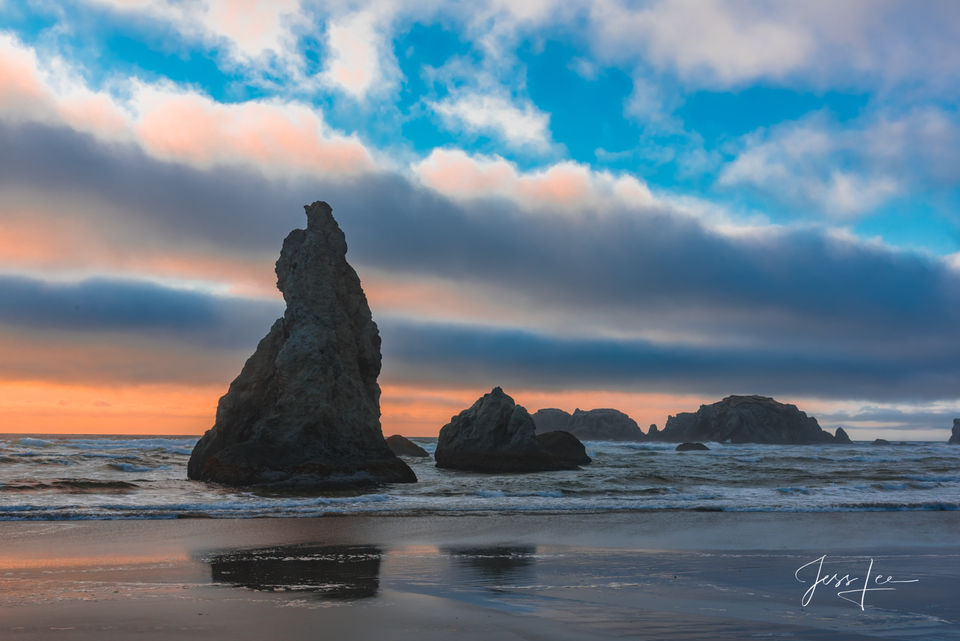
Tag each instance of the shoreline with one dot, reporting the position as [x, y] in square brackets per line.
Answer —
[666, 575]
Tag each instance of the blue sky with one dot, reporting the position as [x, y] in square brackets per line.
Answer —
[574, 198]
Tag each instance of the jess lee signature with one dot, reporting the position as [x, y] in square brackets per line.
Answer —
[814, 574]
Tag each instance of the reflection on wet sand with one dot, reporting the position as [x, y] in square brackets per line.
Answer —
[495, 564]
[329, 572]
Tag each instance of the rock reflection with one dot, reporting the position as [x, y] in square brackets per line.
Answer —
[328, 572]
[497, 563]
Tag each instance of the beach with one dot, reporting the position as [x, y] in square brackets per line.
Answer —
[636, 575]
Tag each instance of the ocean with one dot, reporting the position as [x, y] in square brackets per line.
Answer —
[51, 478]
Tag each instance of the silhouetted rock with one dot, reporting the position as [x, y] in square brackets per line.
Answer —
[840, 437]
[691, 447]
[494, 435]
[881, 441]
[565, 446]
[955, 434]
[550, 420]
[304, 412]
[653, 432]
[402, 446]
[746, 419]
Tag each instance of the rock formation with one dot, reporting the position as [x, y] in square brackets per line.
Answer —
[551, 420]
[402, 446]
[590, 425]
[840, 437]
[955, 434]
[691, 447]
[494, 435]
[565, 446]
[881, 441]
[304, 413]
[747, 419]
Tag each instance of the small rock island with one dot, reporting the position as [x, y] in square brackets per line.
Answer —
[590, 425]
[497, 435]
[748, 419]
[304, 413]
[955, 433]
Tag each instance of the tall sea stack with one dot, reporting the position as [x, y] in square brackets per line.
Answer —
[304, 413]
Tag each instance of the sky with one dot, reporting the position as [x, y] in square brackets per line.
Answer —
[639, 205]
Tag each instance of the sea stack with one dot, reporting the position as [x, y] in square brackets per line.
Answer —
[955, 434]
[748, 419]
[590, 425]
[495, 435]
[304, 413]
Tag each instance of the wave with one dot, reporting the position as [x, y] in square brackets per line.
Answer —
[69, 485]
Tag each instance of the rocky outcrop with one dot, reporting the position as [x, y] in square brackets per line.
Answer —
[840, 437]
[653, 431]
[590, 425]
[304, 412]
[881, 441]
[955, 434]
[402, 446]
[565, 446]
[551, 420]
[692, 447]
[746, 419]
[494, 435]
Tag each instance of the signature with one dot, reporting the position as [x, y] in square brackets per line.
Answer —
[859, 586]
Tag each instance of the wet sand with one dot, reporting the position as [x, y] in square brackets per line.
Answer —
[660, 575]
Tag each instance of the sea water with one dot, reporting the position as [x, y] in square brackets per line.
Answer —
[129, 477]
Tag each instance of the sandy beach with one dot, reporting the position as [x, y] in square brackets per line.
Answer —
[661, 575]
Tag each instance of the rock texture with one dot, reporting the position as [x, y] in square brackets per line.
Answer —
[494, 435]
[565, 446]
[691, 447]
[747, 419]
[590, 425]
[304, 413]
[551, 420]
[840, 437]
[402, 446]
[955, 434]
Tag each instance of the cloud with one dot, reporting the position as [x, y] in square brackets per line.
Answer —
[725, 42]
[251, 29]
[273, 136]
[730, 43]
[359, 60]
[522, 127]
[173, 123]
[852, 169]
[104, 305]
[567, 186]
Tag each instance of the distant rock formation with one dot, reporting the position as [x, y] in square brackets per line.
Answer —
[305, 410]
[881, 441]
[402, 446]
[692, 447]
[551, 420]
[955, 434]
[590, 425]
[494, 435]
[565, 446]
[747, 419]
[653, 432]
[840, 437]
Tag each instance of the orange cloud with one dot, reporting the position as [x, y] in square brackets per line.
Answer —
[273, 136]
[37, 241]
[568, 186]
